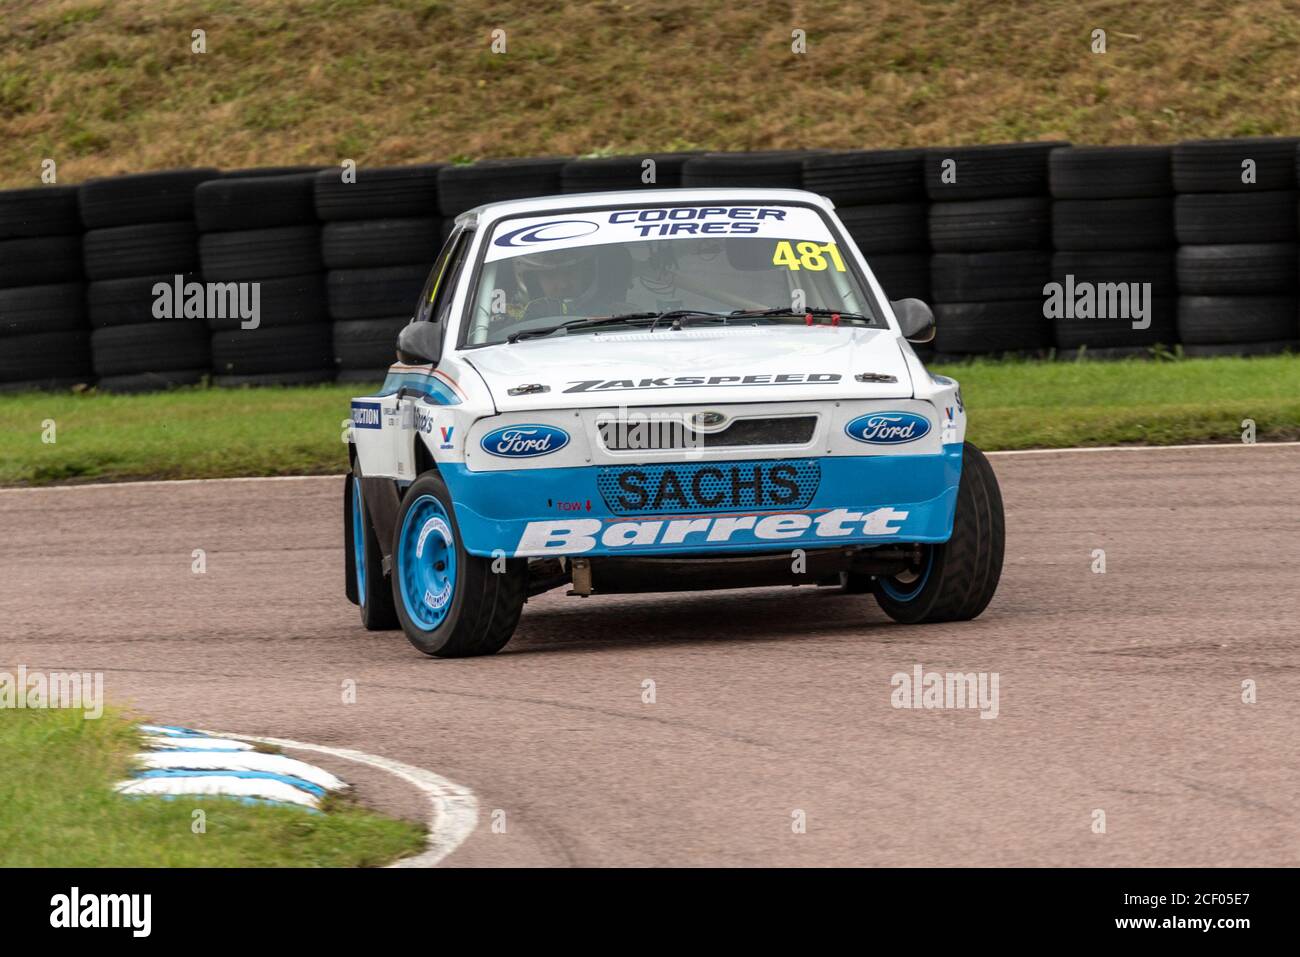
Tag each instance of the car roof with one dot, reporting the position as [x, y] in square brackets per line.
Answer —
[490, 212]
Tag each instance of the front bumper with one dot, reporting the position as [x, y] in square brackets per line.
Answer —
[856, 500]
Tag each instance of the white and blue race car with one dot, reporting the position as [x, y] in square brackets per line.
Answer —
[652, 391]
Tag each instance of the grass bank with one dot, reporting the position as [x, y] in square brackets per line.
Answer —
[109, 86]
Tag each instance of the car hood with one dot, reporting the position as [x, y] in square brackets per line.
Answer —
[670, 367]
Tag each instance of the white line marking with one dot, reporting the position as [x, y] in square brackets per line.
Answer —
[200, 481]
[1148, 448]
[454, 812]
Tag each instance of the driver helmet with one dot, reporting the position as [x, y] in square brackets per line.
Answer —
[563, 274]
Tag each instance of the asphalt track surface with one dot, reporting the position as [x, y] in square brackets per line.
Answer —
[1119, 692]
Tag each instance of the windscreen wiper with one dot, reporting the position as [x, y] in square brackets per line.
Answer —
[653, 318]
[802, 313]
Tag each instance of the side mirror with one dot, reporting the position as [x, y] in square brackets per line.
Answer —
[915, 319]
[420, 343]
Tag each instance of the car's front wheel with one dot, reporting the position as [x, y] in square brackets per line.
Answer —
[956, 580]
[451, 604]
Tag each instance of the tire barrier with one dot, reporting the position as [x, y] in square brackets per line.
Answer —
[624, 172]
[44, 339]
[982, 232]
[140, 232]
[381, 235]
[990, 231]
[1235, 218]
[1112, 229]
[259, 236]
[880, 196]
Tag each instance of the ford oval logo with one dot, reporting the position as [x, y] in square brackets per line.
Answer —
[524, 441]
[888, 428]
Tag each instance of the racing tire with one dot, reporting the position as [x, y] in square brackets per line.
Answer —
[622, 172]
[1216, 320]
[1155, 266]
[141, 198]
[55, 307]
[363, 243]
[273, 350]
[1012, 325]
[985, 277]
[464, 187]
[992, 171]
[39, 211]
[767, 169]
[44, 260]
[473, 610]
[260, 253]
[254, 202]
[862, 177]
[1110, 172]
[1208, 219]
[888, 227]
[991, 224]
[1253, 269]
[1112, 224]
[366, 584]
[367, 343]
[144, 249]
[150, 347]
[45, 355]
[122, 302]
[955, 580]
[1215, 166]
[378, 193]
[905, 276]
[383, 291]
[1095, 335]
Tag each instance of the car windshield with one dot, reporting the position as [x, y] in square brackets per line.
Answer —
[545, 275]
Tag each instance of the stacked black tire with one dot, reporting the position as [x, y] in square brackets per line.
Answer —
[139, 234]
[603, 174]
[774, 169]
[1112, 223]
[461, 188]
[261, 231]
[990, 232]
[381, 235]
[1235, 218]
[44, 341]
[880, 197]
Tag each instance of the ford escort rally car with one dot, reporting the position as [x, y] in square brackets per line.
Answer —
[653, 391]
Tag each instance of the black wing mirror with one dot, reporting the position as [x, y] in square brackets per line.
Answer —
[915, 319]
[420, 343]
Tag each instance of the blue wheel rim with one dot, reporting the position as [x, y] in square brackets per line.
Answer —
[359, 541]
[426, 563]
[906, 591]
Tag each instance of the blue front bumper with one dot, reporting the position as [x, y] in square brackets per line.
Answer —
[857, 500]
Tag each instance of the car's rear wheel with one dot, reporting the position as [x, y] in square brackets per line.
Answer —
[367, 585]
[451, 604]
[956, 580]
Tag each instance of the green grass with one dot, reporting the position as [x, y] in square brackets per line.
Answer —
[58, 809]
[108, 87]
[214, 433]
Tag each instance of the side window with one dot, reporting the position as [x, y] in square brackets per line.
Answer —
[435, 300]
